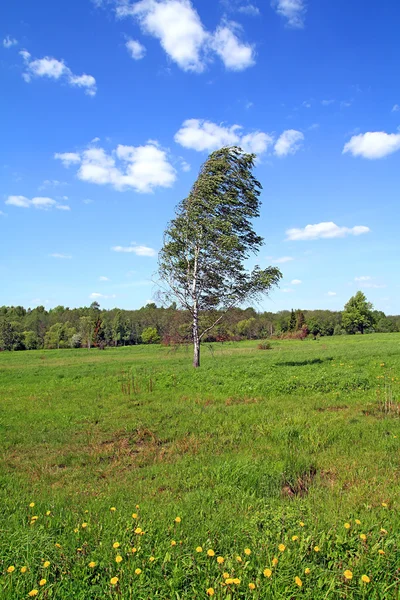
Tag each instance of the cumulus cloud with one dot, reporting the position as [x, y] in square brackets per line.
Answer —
[135, 49]
[296, 282]
[184, 38]
[135, 249]
[324, 230]
[56, 69]
[8, 42]
[201, 135]
[39, 202]
[373, 144]
[287, 290]
[288, 143]
[292, 10]
[61, 256]
[141, 168]
[96, 296]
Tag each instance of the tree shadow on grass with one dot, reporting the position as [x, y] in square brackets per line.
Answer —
[304, 363]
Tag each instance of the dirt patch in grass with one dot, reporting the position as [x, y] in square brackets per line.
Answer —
[332, 408]
[300, 486]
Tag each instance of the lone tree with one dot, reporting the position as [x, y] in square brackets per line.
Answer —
[357, 315]
[206, 244]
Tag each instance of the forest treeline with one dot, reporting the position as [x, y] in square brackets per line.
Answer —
[61, 327]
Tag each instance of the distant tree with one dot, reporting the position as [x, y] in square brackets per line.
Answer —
[292, 325]
[300, 320]
[118, 328]
[314, 327]
[205, 246]
[357, 314]
[86, 329]
[53, 336]
[30, 339]
[150, 336]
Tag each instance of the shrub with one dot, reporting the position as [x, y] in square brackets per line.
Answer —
[264, 346]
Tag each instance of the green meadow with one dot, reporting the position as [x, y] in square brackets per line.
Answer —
[273, 474]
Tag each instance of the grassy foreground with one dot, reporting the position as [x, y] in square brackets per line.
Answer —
[265, 474]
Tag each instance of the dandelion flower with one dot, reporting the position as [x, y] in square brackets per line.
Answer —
[381, 552]
[275, 561]
[42, 582]
[84, 525]
[32, 504]
[34, 518]
[295, 538]
[229, 581]
[302, 524]
[48, 513]
[316, 548]
[210, 592]
[134, 516]
[384, 504]
[138, 571]
[252, 586]
[347, 525]
[239, 559]
[173, 543]
[113, 509]
[210, 552]
[307, 571]
[33, 593]
[118, 558]
[138, 530]
[298, 581]
[116, 545]
[365, 579]
[152, 559]
[383, 531]
[133, 550]
[46, 564]
[348, 574]
[281, 547]
[57, 545]
[225, 575]
[92, 564]
[76, 530]
[11, 569]
[199, 549]
[24, 569]
[236, 581]
[247, 551]
[267, 572]
[114, 580]
[363, 537]
[358, 522]
[220, 560]
[177, 519]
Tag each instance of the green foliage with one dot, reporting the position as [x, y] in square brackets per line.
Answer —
[357, 314]
[150, 336]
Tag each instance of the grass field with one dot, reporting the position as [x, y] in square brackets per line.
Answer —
[284, 463]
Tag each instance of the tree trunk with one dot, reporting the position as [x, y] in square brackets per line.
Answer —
[196, 339]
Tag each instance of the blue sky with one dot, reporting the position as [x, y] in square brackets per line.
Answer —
[109, 108]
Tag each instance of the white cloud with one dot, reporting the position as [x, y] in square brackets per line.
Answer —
[288, 143]
[327, 102]
[56, 69]
[324, 230]
[292, 10]
[185, 166]
[182, 35]
[296, 281]
[103, 278]
[373, 144]
[365, 281]
[62, 256]
[201, 135]
[306, 104]
[280, 261]
[235, 55]
[362, 278]
[135, 49]
[249, 9]
[51, 183]
[87, 201]
[38, 202]
[68, 158]
[135, 249]
[96, 295]
[8, 42]
[2, 214]
[396, 108]
[287, 290]
[141, 168]
[331, 294]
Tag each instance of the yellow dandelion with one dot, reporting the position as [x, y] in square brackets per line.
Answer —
[84, 525]
[225, 575]
[358, 522]
[11, 569]
[134, 516]
[34, 518]
[239, 559]
[384, 504]
[348, 574]
[363, 537]
[267, 572]
[316, 548]
[76, 530]
[220, 560]
[42, 582]
[210, 552]
[138, 530]
[281, 547]
[152, 559]
[236, 581]
[138, 571]
[33, 593]
[229, 581]
[173, 543]
[247, 551]
[275, 561]
[295, 538]
[24, 569]
[86, 512]
[252, 586]
[347, 525]
[113, 509]
[118, 558]
[48, 513]
[114, 580]
[365, 579]
[199, 549]
[133, 550]
[137, 506]
[210, 592]
[381, 552]
[383, 531]
[302, 524]
[57, 545]
[92, 564]
[46, 564]
[32, 504]
[116, 545]
[298, 581]
[307, 571]
[177, 519]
